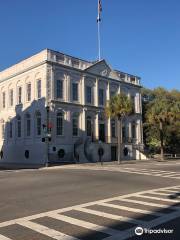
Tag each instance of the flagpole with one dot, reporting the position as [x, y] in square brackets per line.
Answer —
[99, 42]
[98, 22]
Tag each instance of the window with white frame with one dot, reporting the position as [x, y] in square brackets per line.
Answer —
[88, 94]
[39, 88]
[75, 124]
[133, 130]
[75, 91]
[59, 123]
[101, 97]
[113, 128]
[59, 88]
[28, 92]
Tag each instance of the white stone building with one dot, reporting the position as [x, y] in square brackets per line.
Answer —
[75, 92]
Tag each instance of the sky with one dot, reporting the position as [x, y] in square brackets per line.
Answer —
[140, 37]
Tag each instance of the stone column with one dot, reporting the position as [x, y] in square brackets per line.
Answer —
[83, 90]
[119, 89]
[97, 126]
[96, 92]
[83, 123]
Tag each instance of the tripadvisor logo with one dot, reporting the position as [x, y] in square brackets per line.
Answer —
[139, 231]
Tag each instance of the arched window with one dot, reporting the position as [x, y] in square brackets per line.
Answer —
[75, 124]
[18, 126]
[28, 125]
[59, 123]
[38, 123]
[89, 126]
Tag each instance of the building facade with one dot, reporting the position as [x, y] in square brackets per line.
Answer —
[52, 109]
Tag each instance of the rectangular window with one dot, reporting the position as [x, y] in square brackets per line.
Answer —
[28, 92]
[10, 130]
[11, 97]
[113, 128]
[88, 94]
[19, 95]
[59, 124]
[28, 133]
[4, 99]
[38, 127]
[101, 97]
[39, 88]
[112, 94]
[133, 103]
[75, 126]
[59, 89]
[133, 130]
[19, 128]
[124, 133]
[75, 91]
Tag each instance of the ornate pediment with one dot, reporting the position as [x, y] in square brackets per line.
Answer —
[103, 69]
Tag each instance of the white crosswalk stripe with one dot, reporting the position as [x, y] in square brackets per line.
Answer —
[150, 204]
[141, 171]
[84, 224]
[45, 230]
[136, 210]
[4, 238]
[60, 215]
[111, 216]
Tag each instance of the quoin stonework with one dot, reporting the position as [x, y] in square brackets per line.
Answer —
[52, 108]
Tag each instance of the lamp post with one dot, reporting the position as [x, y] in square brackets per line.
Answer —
[139, 145]
[47, 135]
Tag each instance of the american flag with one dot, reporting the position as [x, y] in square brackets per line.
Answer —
[99, 11]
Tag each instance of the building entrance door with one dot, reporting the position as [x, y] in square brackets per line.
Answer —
[113, 153]
[102, 132]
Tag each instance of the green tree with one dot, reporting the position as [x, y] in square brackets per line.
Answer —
[119, 106]
[161, 112]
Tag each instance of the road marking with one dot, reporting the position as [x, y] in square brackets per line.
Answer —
[45, 230]
[170, 191]
[115, 234]
[4, 238]
[150, 204]
[157, 198]
[108, 215]
[130, 232]
[84, 224]
[136, 210]
[160, 193]
[143, 171]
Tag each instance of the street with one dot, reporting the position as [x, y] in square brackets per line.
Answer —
[91, 201]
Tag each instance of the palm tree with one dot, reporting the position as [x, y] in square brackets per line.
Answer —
[162, 112]
[119, 106]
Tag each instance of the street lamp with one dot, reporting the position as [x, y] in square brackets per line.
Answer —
[47, 135]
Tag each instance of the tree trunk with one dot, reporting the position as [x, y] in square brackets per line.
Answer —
[161, 140]
[119, 139]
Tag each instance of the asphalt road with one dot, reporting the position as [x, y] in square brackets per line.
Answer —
[41, 194]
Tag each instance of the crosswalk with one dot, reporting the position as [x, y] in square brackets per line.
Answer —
[124, 213]
[141, 171]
